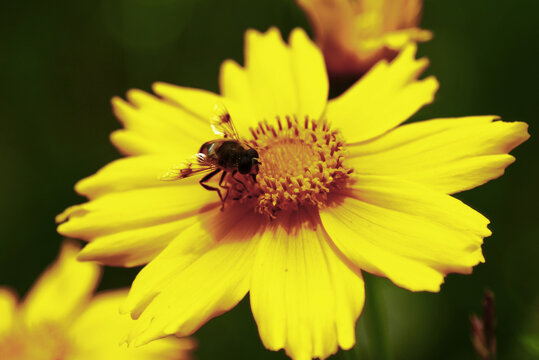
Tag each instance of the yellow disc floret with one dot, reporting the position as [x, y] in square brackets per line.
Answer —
[302, 161]
[43, 342]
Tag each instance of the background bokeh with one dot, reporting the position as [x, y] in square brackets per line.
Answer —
[62, 61]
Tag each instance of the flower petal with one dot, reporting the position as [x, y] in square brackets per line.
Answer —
[199, 103]
[182, 251]
[405, 231]
[132, 173]
[309, 73]
[134, 247]
[235, 85]
[396, 40]
[91, 340]
[134, 209]
[154, 125]
[201, 274]
[382, 99]
[62, 290]
[202, 104]
[448, 155]
[278, 80]
[8, 307]
[304, 298]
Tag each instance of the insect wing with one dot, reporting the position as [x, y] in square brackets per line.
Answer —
[222, 124]
[197, 164]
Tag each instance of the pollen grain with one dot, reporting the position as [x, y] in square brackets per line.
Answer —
[302, 161]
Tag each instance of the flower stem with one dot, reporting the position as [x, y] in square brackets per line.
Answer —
[376, 320]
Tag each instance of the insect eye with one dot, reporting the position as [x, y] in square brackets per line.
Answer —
[251, 153]
[245, 164]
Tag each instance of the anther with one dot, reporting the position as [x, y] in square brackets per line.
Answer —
[301, 162]
[253, 133]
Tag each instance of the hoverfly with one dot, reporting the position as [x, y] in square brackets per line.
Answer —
[229, 155]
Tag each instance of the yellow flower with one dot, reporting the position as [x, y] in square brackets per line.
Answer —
[355, 34]
[340, 189]
[59, 319]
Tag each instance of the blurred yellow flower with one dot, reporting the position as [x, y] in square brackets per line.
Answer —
[59, 319]
[355, 34]
[341, 188]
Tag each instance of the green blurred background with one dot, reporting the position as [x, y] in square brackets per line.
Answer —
[62, 61]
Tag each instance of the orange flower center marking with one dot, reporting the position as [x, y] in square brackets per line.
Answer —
[44, 342]
[302, 161]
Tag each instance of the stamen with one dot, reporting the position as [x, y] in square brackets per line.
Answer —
[301, 163]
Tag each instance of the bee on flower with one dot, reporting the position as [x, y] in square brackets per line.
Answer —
[336, 187]
[60, 319]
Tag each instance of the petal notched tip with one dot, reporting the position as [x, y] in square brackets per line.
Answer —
[119, 108]
[75, 210]
[431, 86]
[160, 86]
[409, 51]
[298, 35]
[255, 35]
[255, 40]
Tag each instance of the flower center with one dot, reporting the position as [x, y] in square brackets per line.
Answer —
[44, 342]
[302, 161]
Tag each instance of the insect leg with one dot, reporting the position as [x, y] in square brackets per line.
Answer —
[226, 187]
[206, 178]
[238, 180]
